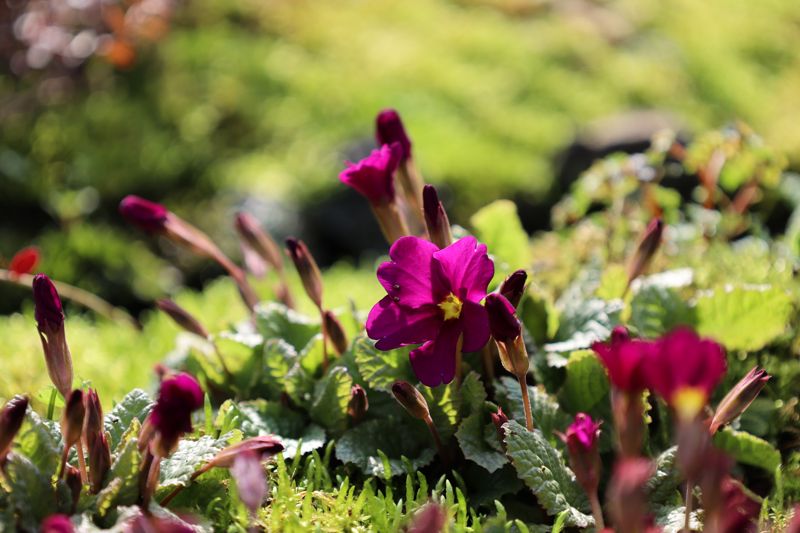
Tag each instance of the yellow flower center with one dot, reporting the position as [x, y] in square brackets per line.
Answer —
[451, 306]
[688, 402]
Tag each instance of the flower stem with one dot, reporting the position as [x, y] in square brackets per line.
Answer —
[437, 440]
[526, 402]
[152, 482]
[688, 514]
[51, 406]
[597, 512]
[81, 462]
[488, 362]
[177, 490]
[324, 332]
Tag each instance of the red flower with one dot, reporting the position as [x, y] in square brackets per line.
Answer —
[24, 261]
[623, 358]
[172, 414]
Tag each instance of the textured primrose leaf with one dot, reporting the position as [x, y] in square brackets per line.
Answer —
[586, 383]
[125, 468]
[662, 486]
[177, 469]
[671, 518]
[498, 226]
[744, 318]
[748, 449]
[542, 469]
[581, 323]
[267, 378]
[331, 396]
[268, 418]
[40, 441]
[656, 310]
[443, 402]
[276, 321]
[488, 487]
[395, 438]
[472, 394]
[471, 436]
[548, 416]
[381, 369]
[136, 404]
[31, 493]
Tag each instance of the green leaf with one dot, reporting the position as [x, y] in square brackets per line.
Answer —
[586, 383]
[177, 469]
[583, 322]
[269, 418]
[542, 469]
[276, 321]
[662, 486]
[471, 436]
[136, 404]
[656, 310]
[278, 357]
[472, 394]
[331, 396]
[498, 226]
[443, 402]
[40, 441]
[488, 487]
[395, 438]
[748, 449]
[548, 416]
[125, 468]
[671, 518]
[381, 369]
[744, 318]
[30, 492]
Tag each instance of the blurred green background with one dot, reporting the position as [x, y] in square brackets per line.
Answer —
[213, 105]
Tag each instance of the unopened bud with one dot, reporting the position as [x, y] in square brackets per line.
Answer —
[264, 447]
[513, 287]
[335, 332]
[50, 323]
[93, 421]
[72, 477]
[411, 399]
[581, 439]
[56, 523]
[24, 261]
[498, 419]
[258, 240]
[503, 321]
[149, 216]
[430, 519]
[251, 482]
[436, 218]
[72, 419]
[389, 129]
[647, 248]
[99, 461]
[739, 398]
[182, 317]
[359, 404]
[307, 269]
[11, 418]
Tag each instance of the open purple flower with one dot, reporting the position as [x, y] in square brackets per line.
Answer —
[172, 414]
[373, 176]
[433, 299]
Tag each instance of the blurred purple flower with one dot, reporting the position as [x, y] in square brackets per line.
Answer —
[373, 176]
[172, 415]
[433, 299]
[389, 129]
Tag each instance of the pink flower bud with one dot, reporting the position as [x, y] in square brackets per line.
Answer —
[335, 332]
[411, 399]
[72, 418]
[647, 248]
[436, 218]
[93, 421]
[149, 216]
[584, 457]
[50, 323]
[11, 418]
[264, 447]
[503, 321]
[258, 240]
[498, 419]
[358, 405]
[389, 129]
[739, 398]
[56, 523]
[251, 482]
[24, 261]
[431, 518]
[99, 461]
[72, 478]
[373, 176]
[307, 269]
[513, 287]
[182, 317]
[172, 415]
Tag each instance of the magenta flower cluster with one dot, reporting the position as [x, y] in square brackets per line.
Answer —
[433, 298]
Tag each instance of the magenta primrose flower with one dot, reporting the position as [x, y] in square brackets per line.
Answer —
[624, 359]
[373, 176]
[172, 415]
[389, 129]
[433, 298]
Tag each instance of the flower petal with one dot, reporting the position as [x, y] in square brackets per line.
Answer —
[434, 362]
[394, 326]
[407, 277]
[475, 326]
[467, 266]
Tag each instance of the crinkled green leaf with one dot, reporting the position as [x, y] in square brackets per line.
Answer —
[472, 394]
[487, 487]
[381, 369]
[744, 318]
[542, 469]
[471, 436]
[395, 438]
[582, 323]
[748, 449]
[548, 416]
[443, 403]
[498, 226]
[662, 486]
[136, 404]
[40, 441]
[586, 383]
[177, 469]
[331, 396]
[31, 493]
[270, 418]
[656, 310]
[125, 468]
[276, 321]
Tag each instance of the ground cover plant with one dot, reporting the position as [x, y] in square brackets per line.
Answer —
[634, 369]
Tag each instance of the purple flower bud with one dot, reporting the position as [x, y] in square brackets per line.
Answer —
[739, 398]
[358, 405]
[149, 216]
[258, 240]
[72, 418]
[647, 248]
[264, 447]
[99, 461]
[436, 218]
[389, 129]
[72, 478]
[251, 482]
[431, 518]
[11, 418]
[172, 415]
[182, 317]
[335, 332]
[498, 419]
[307, 269]
[373, 176]
[56, 523]
[411, 399]
[50, 323]
[584, 457]
[513, 287]
[503, 322]
[93, 421]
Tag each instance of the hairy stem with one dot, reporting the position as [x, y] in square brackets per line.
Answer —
[82, 462]
[597, 512]
[526, 402]
[437, 440]
[688, 514]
